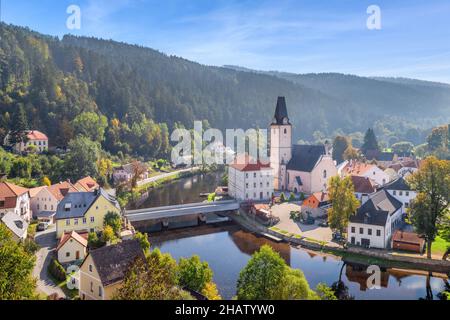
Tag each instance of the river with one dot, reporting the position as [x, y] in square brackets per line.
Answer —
[227, 249]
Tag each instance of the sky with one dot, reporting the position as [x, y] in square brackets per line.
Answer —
[299, 36]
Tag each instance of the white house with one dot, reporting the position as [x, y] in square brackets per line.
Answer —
[297, 168]
[14, 199]
[375, 221]
[72, 247]
[16, 225]
[34, 140]
[45, 200]
[371, 171]
[402, 192]
[125, 173]
[250, 180]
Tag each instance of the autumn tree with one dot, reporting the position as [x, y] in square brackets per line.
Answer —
[351, 154]
[428, 210]
[439, 138]
[344, 202]
[113, 220]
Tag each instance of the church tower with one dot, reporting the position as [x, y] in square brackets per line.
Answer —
[280, 144]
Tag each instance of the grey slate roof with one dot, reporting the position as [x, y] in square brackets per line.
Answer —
[16, 224]
[376, 210]
[80, 202]
[112, 262]
[399, 184]
[305, 157]
[280, 110]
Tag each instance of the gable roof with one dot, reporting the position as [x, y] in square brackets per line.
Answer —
[305, 157]
[60, 190]
[280, 111]
[362, 184]
[76, 204]
[244, 163]
[8, 190]
[86, 184]
[321, 197]
[34, 191]
[399, 184]
[376, 210]
[112, 262]
[16, 224]
[72, 235]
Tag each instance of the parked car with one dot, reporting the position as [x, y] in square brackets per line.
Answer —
[42, 226]
[323, 224]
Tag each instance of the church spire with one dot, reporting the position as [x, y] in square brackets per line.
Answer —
[281, 115]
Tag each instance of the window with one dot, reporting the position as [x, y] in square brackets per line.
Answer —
[378, 233]
[246, 175]
[90, 268]
[324, 173]
[361, 230]
[68, 222]
[353, 229]
[285, 130]
[67, 254]
[75, 221]
[99, 291]
[268, 184]
[92, 287]
[84, 220]
[254, 185]
[394, 192]
[400, 193]
[406, 205]
[407, 193]
[92, 219]
[254, 175]
[369, 232]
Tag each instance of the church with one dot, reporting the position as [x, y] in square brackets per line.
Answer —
[297, 168]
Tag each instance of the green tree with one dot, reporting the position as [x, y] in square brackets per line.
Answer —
[438, 138]
[113, 220]
[340, 144]
[402, 147]
[370, 142]
[16, 266]
[193, 273]
[20, 121]
[282, 197]
[325, 292]
[260, 278]
[292, 197]
[143, 240]
[428, 210]
[91, 125]
[344, 202]
[82, 158]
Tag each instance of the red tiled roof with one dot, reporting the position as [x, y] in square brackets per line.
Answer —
[82, 239]
[357, 168]
[60, 190]
[362, 184]
[407, 237]
[36, 135]
[86, 184]
[8, 189]
[245, 163]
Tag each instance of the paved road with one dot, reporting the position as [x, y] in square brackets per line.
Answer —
[47, 241]
[165, 175]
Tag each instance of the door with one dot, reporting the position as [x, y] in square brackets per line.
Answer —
[365, 243]
[77, 255]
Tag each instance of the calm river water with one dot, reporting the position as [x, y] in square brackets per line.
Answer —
[227, 249]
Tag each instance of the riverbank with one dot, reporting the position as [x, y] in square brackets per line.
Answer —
[382, 258]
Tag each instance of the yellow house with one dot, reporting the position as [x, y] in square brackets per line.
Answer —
[72, 247]
[84, 211]
[103, 270]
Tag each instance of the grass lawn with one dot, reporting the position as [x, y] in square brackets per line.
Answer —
[439, 246]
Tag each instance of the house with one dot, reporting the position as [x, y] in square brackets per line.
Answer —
[371, 171]
[363, 187]
[84, 211]
[72, 247]
[86, 184]
[45, 200]
[17, 226]
[384, 159]
[34, 139]
[297, 168]
[103, 270]
[262, 212]
[250, 180]
[317, 204]
[408, 241]
[406, 167]
[375, 221]
[402, 192]
[125, 173]
[14, 199]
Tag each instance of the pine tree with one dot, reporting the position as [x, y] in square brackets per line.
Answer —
[370, 142]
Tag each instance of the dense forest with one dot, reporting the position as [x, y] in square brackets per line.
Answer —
[128, 98]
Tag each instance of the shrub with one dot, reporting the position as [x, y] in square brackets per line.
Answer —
[292, 197]
[56, 270]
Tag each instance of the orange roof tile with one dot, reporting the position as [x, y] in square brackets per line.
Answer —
[74, 235]
[86, 184]
[36, 135]
[8, 189]
[60, 190]
[245, 163]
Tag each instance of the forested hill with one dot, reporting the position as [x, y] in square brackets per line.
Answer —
[144, 93]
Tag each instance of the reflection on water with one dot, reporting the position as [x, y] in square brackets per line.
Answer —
[227, 250]
[186, 190]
